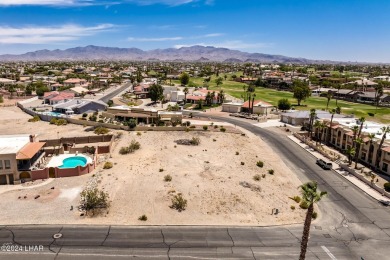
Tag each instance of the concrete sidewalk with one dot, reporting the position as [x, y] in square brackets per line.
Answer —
[336, 168]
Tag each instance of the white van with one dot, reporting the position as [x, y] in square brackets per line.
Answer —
[324, 165]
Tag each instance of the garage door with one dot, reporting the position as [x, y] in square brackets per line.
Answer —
[3, 179]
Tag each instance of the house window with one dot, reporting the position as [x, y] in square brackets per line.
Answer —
[384, 167]
[1, 165]
[7, 164]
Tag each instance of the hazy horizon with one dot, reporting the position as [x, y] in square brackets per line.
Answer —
[334, 30]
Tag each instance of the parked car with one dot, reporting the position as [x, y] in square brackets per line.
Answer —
[385, 202]
[324, 165]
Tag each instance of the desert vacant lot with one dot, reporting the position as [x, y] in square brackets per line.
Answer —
[210, 176]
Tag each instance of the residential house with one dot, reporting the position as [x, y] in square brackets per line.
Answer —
[80, 106]
[18, 154]
[55, 97]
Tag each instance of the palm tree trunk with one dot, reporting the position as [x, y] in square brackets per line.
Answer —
[357, 155]
[306, 232]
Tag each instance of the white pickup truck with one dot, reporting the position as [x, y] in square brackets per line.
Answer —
[324, 165]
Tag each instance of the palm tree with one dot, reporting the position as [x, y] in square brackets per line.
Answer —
[385, 130]
[328, 136]
[310, 195]
[358, 144]
[311, 121]
[362, 120]
[338, 91]
[317, 126]
[322, 127]
[350, 153]
[185, 90]
[329, 96]
[378, 94]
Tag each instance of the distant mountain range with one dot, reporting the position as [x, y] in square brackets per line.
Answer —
[193, 53]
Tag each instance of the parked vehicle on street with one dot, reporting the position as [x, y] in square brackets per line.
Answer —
[324, 165]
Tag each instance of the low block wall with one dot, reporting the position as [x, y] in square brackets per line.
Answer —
[363, 179]
[40, 174]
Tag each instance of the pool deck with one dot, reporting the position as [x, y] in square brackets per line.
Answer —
[57, 160]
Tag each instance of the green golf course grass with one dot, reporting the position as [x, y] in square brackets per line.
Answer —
[272, 96]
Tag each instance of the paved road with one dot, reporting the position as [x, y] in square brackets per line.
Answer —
[351, 225]
[114, 93]
[168, 243]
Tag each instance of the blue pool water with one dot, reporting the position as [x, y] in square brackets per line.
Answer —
[53, 114]
[73, 162]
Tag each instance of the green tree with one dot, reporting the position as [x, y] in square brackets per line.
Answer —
[218, 81]
[317, 126]
[184, 78]
[310, 195]
[301, 91]
[41, 91]
[284, 104]
[155, 92]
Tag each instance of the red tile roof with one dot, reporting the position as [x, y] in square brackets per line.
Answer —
[29, 150]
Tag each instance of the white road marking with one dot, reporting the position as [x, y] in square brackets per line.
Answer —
[328, 252]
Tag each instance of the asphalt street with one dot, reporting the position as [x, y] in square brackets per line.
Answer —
[351, 225]
[114, 93]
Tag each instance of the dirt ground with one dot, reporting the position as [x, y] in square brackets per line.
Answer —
[210, 176]
[14, 121]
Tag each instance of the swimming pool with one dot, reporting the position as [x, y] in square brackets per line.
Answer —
[73, 162]
[53, 114]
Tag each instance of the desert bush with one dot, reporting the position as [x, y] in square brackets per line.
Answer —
[303, 205]
[387, 186]
[292, 207]
[271, 171]
[242, 163]
[192, 127]
[167, 178]
[161, 170]
[143, 218]
[34, 119]
[55, 121]
[85, 114]
[205, 127]
[92, 118]
[222, 129]
[263, 175]
[107, 165]
[139, 133]
[101, 130]
[124, 150]
[195, 141]
[215, 127]
[257, 177]
[260, 164]
[93, 200]
[134, 145]
[187, 123]
[214, 140]
[179, 203]
[315, 215]
[237, 153]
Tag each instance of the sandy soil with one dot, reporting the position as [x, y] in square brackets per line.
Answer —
[208, 176]
[14, 121]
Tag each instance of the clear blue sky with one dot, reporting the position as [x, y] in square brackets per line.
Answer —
[346, 30]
